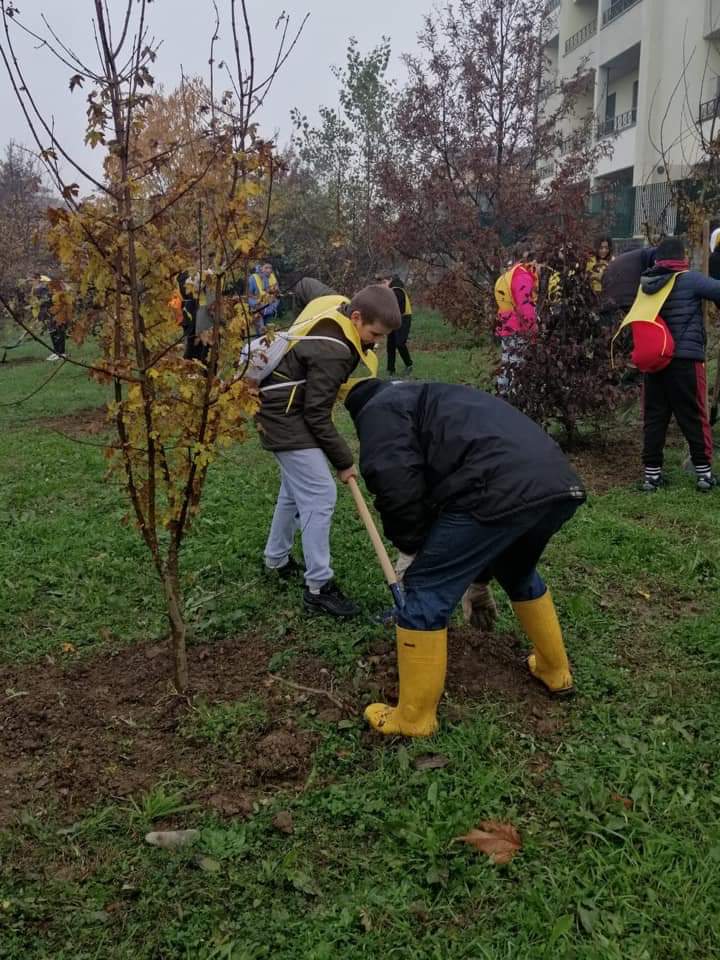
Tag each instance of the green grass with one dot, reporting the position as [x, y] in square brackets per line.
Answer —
[619, 814]
[225, 724]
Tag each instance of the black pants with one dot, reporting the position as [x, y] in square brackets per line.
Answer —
[680, 390]
[57, 336]
[397, 341]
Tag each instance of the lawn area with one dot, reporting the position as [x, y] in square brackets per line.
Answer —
[316, 839]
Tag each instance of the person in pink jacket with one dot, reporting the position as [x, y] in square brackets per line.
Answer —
[516, 294]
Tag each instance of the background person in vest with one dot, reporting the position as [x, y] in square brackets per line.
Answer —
[472, 489]
[295, 423]
[516, 294]
[41, 308]
[263, 291]
[598, 262]
[397, 340]
[680, 389]
[188, 298]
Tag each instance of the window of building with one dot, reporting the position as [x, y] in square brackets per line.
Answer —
[610, 106]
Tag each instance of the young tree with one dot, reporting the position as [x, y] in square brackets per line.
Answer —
[464, 187]
[124, 247]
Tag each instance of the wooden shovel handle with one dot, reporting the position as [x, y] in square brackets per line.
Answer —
[366, 517]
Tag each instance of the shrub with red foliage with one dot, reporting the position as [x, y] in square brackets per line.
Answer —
[566, 375]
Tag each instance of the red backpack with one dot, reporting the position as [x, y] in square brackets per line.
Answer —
[653, 343]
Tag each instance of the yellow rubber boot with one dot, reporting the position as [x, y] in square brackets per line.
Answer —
[548, 660]
[422, 661]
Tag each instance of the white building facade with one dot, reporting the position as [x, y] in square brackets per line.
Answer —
[653, 90]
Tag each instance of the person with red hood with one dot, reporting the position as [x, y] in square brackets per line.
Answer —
[680, 389]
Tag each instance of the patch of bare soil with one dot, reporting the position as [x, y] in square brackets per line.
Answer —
[82, 423]
[110, 727]
[617, 462]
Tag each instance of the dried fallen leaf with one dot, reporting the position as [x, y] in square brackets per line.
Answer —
[68, 648]
[431, 761]
[499, 841]
[643, 593]
[625, 801]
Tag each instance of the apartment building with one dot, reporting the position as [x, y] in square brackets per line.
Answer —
[653, 70]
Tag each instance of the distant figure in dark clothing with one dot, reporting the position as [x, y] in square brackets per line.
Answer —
[41, 302]
[397, 340]
[193, 351]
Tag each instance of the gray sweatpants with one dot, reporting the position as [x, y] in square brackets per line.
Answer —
[306, 502]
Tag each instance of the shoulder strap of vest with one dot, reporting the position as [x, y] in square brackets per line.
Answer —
[298, 332]
[648, 305]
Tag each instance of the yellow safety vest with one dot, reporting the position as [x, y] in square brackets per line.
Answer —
[327, 308]
[260, 284]
[407, 309]
[503, 290]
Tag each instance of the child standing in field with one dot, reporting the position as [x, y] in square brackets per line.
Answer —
[295, 423]
[679, 390]
[397, 340]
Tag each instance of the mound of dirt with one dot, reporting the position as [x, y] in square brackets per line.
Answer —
[109, 727]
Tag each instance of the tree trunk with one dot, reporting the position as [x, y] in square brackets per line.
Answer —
[177, 625]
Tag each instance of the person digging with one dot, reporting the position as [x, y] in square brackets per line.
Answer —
[469, 490]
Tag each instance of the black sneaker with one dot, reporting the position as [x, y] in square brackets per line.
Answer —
[291, 569]
[706, 483]
[330, 600]
[652, 486]
[408, 371]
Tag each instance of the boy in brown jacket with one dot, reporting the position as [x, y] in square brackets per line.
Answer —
[295, 422]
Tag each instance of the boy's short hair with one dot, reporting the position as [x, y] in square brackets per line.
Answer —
[671, 248]
[377, 304]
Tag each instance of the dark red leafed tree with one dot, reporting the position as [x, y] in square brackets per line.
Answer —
[476, 124]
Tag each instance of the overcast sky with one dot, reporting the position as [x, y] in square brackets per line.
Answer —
[185, 27]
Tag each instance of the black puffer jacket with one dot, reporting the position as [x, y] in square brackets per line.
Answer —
[426, 448]
[621, 279]
[682, 311]
[308, 289]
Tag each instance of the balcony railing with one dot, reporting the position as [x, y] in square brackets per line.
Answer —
[616, 9]
[581, 37]
[710, 109]
[551, 6]
[611, 125]
[545, 171]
